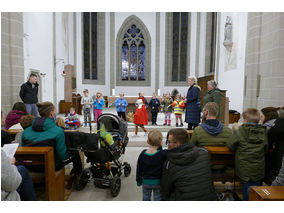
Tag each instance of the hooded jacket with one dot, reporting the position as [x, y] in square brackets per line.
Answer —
[211, 133]
[187, 175]
[13, 118]
[249, 144]
[28, 94]
[120, 104]
[45, 129]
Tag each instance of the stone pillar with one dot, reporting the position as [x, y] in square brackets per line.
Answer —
[264, 60]
[12, 59]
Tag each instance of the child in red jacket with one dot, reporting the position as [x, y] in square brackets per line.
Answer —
[140, 116]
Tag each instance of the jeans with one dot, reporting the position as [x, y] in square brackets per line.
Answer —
[87, 115]
[246, 186]
[32, 108]
[147, 192]
[26, 188]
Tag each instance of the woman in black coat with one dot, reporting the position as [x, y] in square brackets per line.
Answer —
[192, 113]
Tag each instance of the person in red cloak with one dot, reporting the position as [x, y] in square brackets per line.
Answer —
[140, 117]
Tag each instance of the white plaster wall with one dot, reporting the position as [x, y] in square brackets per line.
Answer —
[38, 46]
[149, 19]
[79, 58]
[233, 80]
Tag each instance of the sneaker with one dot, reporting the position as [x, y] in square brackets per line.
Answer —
[146, 133]
[176, 125]
[181, 125]
[165, 124]
[85, 125]
[169, 124]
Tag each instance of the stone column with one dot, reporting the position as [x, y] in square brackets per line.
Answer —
[12, 59]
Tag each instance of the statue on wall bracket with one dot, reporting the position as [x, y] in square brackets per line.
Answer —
[228, 40]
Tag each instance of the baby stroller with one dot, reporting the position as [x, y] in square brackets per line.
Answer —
[106, 165]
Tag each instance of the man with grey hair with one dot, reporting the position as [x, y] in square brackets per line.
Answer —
[213, 95]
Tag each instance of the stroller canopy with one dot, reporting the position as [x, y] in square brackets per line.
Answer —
[112, 123]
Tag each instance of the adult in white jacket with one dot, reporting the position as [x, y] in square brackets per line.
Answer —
[10, 179]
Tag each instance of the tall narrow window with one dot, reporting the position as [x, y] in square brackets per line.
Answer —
[211, 26]
[133, 55]
[179, 47]
[90, 45]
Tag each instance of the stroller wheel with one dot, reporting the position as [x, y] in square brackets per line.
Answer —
[127, 169]
[115, 186]
[81, 180]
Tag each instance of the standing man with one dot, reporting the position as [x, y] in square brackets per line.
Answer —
[28, 94]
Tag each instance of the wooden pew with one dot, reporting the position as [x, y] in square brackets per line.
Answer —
[266, 193]
[13, 132]
[54, 181]
[221, 155]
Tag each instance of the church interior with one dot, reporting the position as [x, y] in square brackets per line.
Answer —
[128, 53]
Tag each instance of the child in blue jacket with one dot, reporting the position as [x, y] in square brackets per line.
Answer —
[121, 105]
[98, 105]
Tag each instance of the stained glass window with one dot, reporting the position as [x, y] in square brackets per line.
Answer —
[90, 45]
[133, 55]
[179, 51]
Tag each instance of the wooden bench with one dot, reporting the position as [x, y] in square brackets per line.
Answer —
[54, 181]
[221, 155]
[266, 193]
[13, 133]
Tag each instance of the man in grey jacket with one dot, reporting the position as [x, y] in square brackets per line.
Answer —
[279, 180]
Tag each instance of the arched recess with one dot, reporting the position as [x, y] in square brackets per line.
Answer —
[134, 28]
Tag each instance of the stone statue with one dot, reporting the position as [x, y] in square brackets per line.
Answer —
[228, 40]
[228, 29]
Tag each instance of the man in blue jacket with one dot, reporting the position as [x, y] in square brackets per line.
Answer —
[121, 105]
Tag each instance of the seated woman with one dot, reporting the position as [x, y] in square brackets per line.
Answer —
[13, 118]
[44, 132]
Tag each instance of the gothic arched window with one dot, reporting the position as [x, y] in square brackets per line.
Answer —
[133, 53]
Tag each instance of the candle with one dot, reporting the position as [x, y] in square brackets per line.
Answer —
[113, 92]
